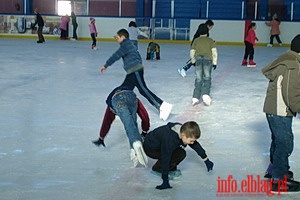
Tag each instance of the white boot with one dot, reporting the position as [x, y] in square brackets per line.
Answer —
[133, 158]
[165, 110]
[206, 99]
[181, 71]
[195, 101]
[140, 153]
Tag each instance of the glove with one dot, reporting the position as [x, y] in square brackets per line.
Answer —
[214, 67]
[164, 185]
[143, 134]
[209, 165]
[99, 142]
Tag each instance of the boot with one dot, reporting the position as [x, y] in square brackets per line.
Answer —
[244, 63]
[251, 64]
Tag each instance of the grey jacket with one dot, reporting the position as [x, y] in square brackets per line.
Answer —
[283, 93]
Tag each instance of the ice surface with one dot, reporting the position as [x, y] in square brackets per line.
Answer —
[52, 100]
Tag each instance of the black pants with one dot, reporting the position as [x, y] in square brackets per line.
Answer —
[277, 38]
[74, 31]
[93, 35]
[178, 155]
[249, 51]
[136, 79]
[40, 34]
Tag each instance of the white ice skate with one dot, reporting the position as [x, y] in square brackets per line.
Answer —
[181, 71]
[195, 101]
[206, 99]
[133, 158]
[165, 110]
[140, 154]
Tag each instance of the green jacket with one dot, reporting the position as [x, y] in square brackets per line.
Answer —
[283, 93]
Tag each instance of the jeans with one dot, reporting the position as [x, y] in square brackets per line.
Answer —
[125, 106]
[203, 77]
[282, 144]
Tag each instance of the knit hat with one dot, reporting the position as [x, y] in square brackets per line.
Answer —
[202, 29]
[295, 45]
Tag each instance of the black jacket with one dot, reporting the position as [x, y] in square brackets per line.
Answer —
[166, 139]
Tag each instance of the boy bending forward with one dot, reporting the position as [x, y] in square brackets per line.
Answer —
[167, 143]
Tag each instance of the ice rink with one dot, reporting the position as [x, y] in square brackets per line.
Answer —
[52, 100]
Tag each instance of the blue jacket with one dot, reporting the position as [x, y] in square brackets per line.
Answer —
[166, 139]
[131, 58]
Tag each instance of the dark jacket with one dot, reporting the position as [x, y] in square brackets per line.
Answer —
[131, 58]
[166, 139]
[38, 20]
[283, 93]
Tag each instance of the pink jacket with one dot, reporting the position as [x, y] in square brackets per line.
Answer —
[251, 37]
[274, 27]
[64, 22]
[93, 28]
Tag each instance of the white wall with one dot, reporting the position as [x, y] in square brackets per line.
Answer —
[106, 27]
[233, 31]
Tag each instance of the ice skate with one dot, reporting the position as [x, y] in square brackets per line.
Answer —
[244, 63]
[285, 186]
[251, 64]
[195, 101]
[206, 99]
[140, 154]
[181, 71]
[133, 158]
[165, 110]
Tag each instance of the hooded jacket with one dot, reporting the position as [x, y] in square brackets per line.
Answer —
[283, 92]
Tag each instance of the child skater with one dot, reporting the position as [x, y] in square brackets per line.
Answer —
[205, 56]
[282, 103]
[135, 72]
[153, 51]
[275, 31]
[166, 144]
[134, 32]
[249, 46]
[109, 117]
[94, 33]
[123, 102]
[182, 70]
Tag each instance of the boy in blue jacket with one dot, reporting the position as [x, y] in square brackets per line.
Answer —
[135, 72]
[167, 143]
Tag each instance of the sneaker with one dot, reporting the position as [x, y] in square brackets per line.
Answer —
[195, 101]
[269, 45]
[280, 44]
[285, 186]
[175, 174]
[206, 99]
[181, 71]
[140, 153]
[165, 110]
[159, 174]
[133, 158]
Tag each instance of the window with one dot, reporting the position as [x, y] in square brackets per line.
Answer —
[64, 7]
